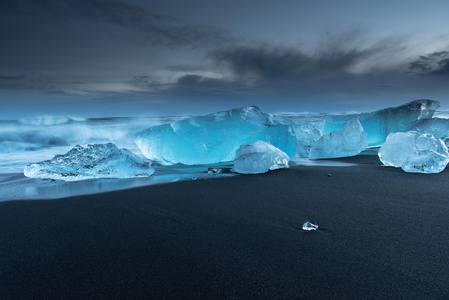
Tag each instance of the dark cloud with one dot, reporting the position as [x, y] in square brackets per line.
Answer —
[187, 68]
[384, 88]
[443, 68]
[331, 75]
[87, 46]
[288, 64]
[151, 27]
[205, 84]
[436, 63]
[420, 67]
[279, 66]
[6, 77]
[207, 89]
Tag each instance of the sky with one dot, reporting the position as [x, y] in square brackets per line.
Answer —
[100, 58]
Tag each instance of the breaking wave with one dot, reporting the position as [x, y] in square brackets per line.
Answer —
[49, 120]
[34, 139]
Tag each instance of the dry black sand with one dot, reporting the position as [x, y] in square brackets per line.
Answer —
[384, 234]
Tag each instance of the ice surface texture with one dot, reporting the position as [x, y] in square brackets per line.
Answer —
[214, 138]
[259, 157]
[414, 152]
[379, 124]
[94, 161]
[307, 134]
[437, 127]
[349, 141]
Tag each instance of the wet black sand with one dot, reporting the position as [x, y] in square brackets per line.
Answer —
[384, 234]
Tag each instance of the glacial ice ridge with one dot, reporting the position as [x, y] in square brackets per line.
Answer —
[94, 161]
[216, 137]
[379, 124]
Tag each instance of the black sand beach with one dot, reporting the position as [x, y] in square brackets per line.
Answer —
[384, 234]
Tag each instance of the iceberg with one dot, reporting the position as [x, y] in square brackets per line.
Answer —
[414, 152]
[437, 127]
[259, 157]
[349, 141]
[94, 161]
[379, 124]
[214, 138]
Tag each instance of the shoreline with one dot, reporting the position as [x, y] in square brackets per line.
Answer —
[16, 186]
[382, 234]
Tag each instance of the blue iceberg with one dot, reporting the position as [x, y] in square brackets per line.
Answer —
[379, 124]
[216, 137]
[414, 152]
[94, 161]
[349, 141]
[259, 157]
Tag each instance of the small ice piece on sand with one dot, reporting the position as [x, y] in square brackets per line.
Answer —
[414, 152]
[259, 157]
[309, 226]
[211, 170]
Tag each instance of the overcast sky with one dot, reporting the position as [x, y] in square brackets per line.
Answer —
[174, 57]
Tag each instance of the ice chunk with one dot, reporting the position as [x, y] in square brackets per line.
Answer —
[307, 134]
[214, 138]
[309, 226]
[259, 157]
[308, 128]
[379, 124]
[349, 141]
[94, 161]
[437, 127]
[414, 152]
[211, 170]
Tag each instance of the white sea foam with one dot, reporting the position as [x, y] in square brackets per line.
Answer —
[47, 120]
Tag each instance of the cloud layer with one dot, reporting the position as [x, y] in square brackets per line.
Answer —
[116, 51]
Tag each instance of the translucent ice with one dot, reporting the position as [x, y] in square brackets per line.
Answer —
[379, 124]
[211, 170]
[307, 134]
[437, 127]
[414, 152]
[94, 161]
[309, 226]
[349, 141]
[308, 129]
[214, 138]
[259, 157]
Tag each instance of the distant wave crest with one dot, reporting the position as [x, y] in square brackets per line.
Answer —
[47, 120]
